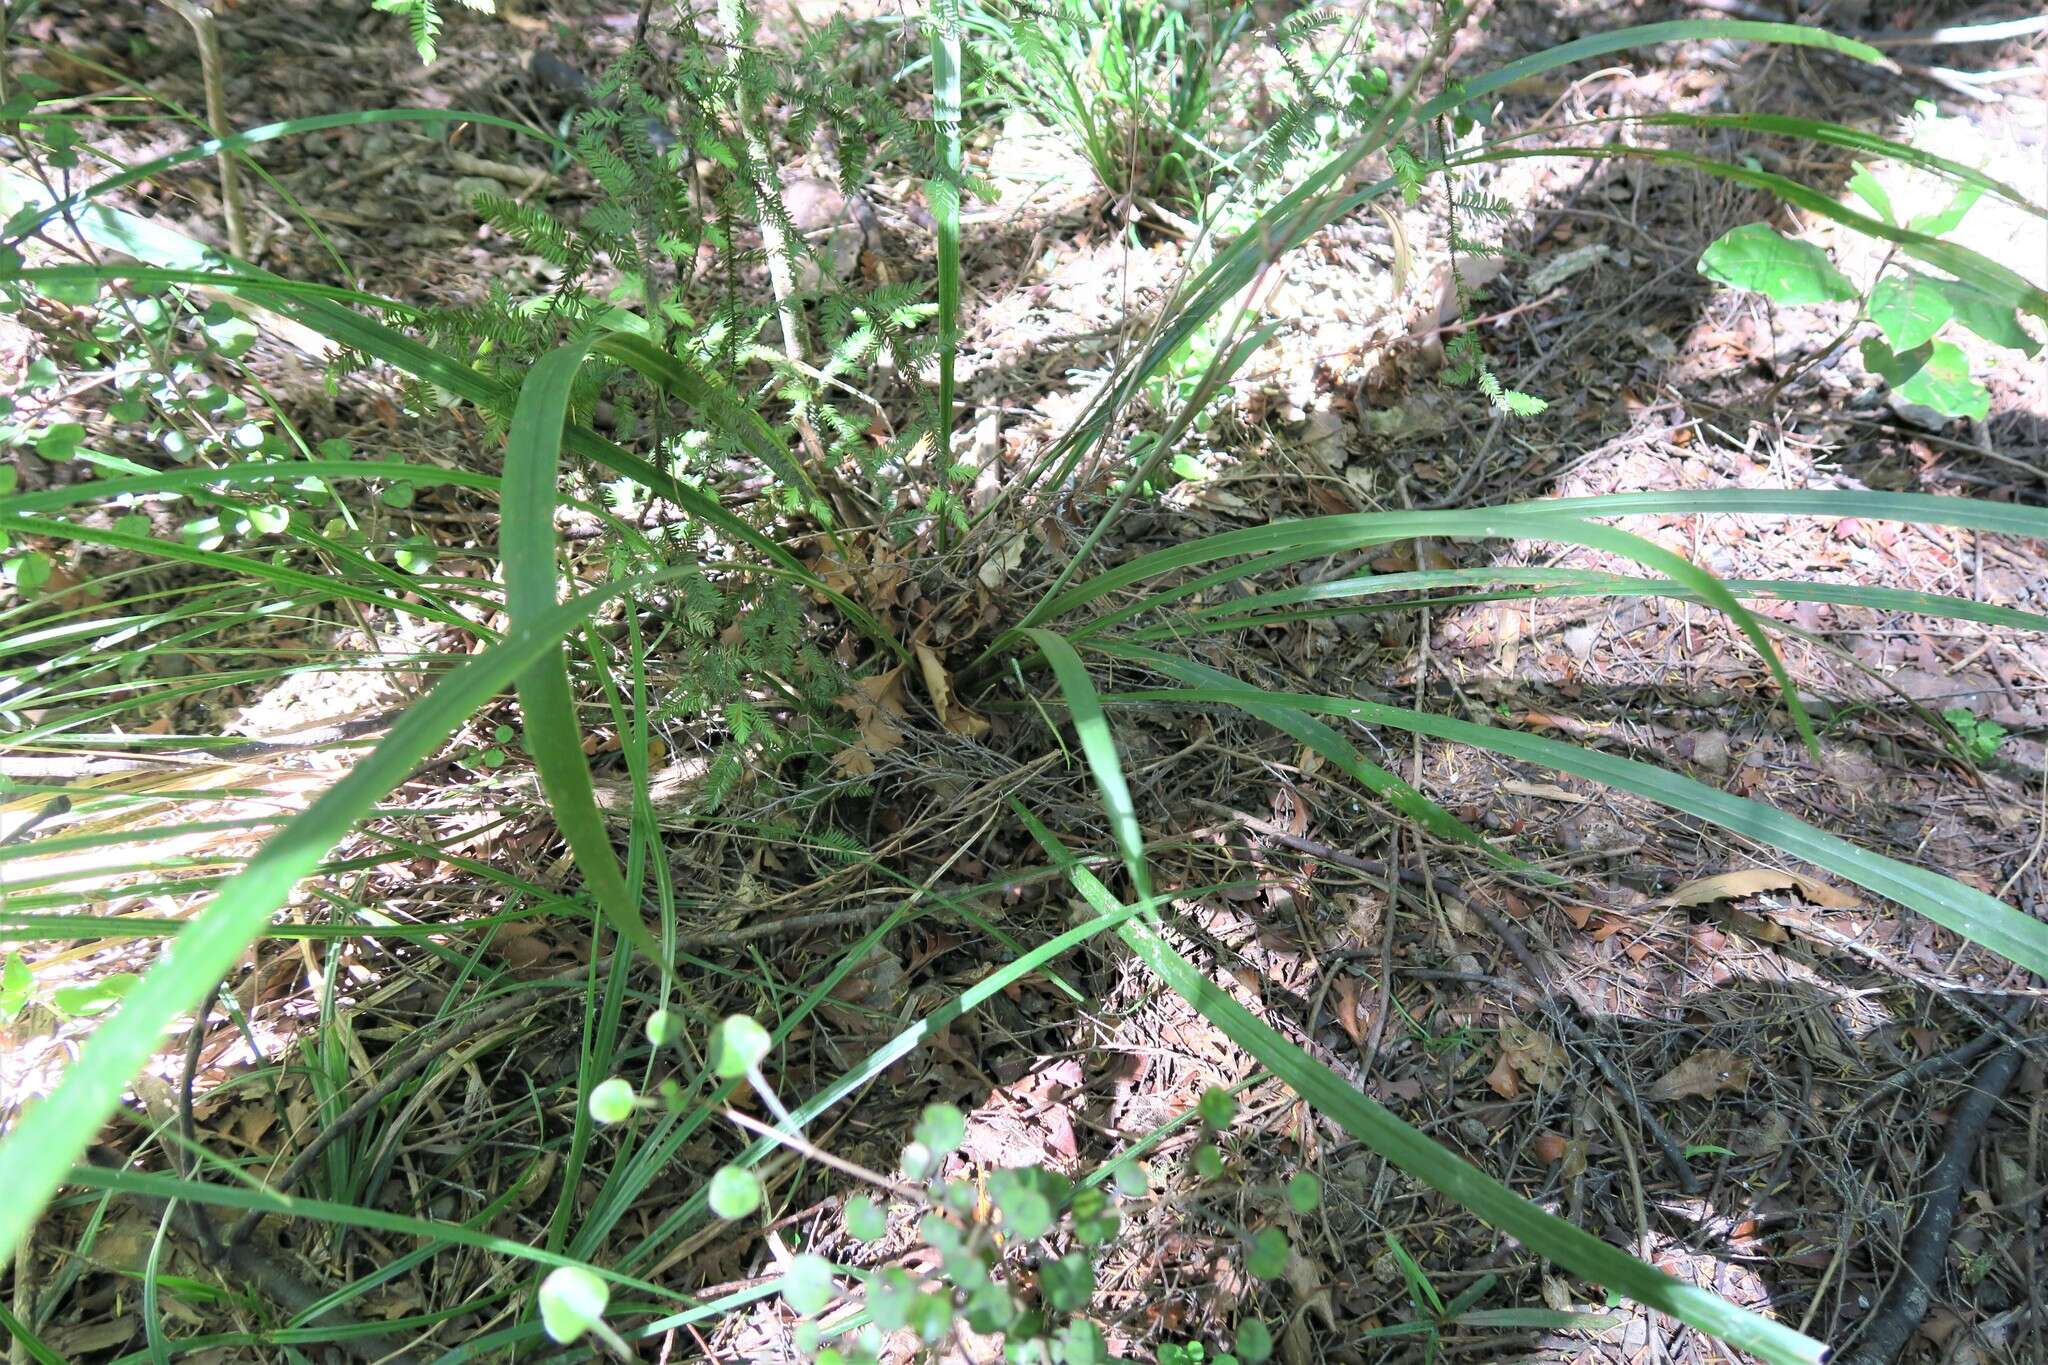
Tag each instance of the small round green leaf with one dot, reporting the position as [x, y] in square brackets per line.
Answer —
[941, 1128]
[1027, 1212]
[737, 1046]
[807, 1284]
[734, 1193]
[61, 441]
[866, 1221]
[1254, 1341]
[28, 573]
[1304, 1192]
[1209, 1161]
[612, 1101]
[1068, 1282]
[1216, 1107]
[662, 1026]
[416, 554]
[1081, 1343]
[1267, 1259]
[572, 1301]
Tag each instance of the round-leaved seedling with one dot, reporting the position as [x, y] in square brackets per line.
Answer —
[866, 1221]
[734, 1193]
[1267, 1259]
[612, 1101]
[662, 1026]
[572, 1302]
[807, 1284]
[737, 1046]
[1216, 1108]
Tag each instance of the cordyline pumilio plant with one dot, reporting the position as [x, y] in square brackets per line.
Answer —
[1071, 626]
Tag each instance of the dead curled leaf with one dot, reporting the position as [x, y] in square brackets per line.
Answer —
[1526, 1054]
[1703, 1075]
[956, 719]
[1734, 886]
[877, 703]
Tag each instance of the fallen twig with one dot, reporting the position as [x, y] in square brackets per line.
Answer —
[1906, 1302]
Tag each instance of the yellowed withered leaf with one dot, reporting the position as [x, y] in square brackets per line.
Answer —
[1734, 886]
[1706, 1073]
[1526, 1054]
[957, 719]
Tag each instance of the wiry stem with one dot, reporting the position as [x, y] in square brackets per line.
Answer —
[206, 30]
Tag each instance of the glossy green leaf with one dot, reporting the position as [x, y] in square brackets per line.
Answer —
[1872, 193]
[1757, 256]
[1995, 320]
[1909, 307]
[1950, 217]
[1935, 374]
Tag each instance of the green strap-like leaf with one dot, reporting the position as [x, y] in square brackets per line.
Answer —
[52, 1133]
[1420, 1156]
[1099, 748]
[1969, 912]
[1338, 751]
[526, 548]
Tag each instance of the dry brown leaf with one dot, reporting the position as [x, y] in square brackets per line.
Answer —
[1733, 886]
[956, 719]
[880, 692]
[1704, 1074]
[1345, 988]
[878, 736]
[1548, 1147]
[1544, 791]
[1503, 1080]
[1537, 1057]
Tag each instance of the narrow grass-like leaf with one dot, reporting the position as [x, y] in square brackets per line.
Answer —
[51, 1134]
[1099, 748]
[1967, 911]
[1267, 609]
[154, 1186]
[1420, 1156]
[526, 547]
[250, 566]
[1976, 514]
[121, 231]
[18, 1331]
[1339, 752]
[269, 132]
[943, 198]
[1299, 540]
